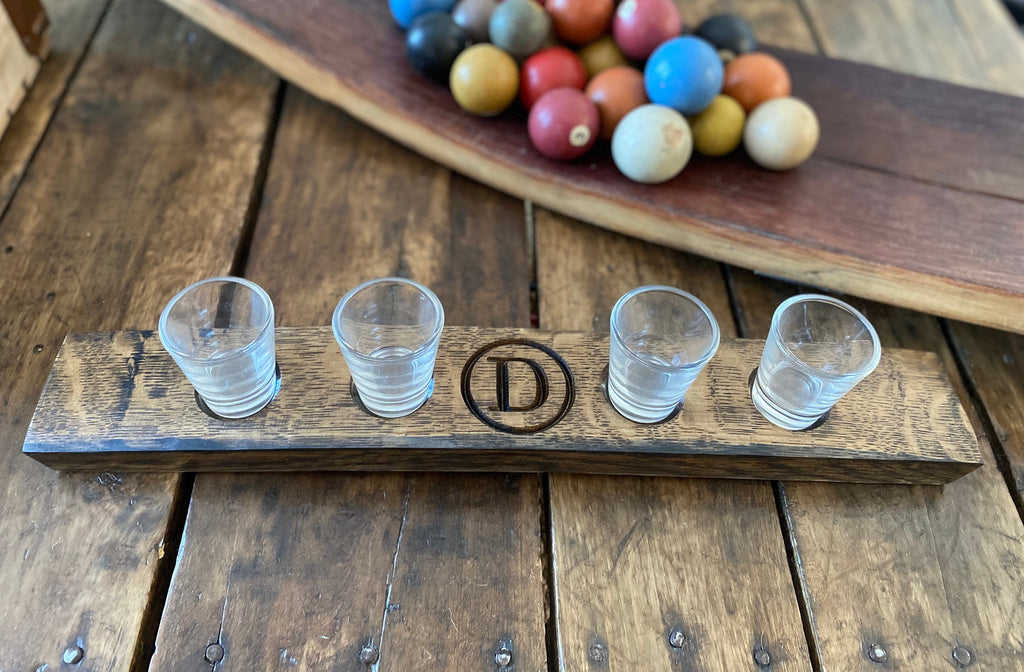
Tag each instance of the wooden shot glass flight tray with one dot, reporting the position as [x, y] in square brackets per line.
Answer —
[504, 400]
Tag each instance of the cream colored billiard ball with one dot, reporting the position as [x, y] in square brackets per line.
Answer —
[781, 133]
[652, 144]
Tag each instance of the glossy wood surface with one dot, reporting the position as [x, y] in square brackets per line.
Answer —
[897, 206]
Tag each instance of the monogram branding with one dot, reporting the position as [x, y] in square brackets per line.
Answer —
[518, 386]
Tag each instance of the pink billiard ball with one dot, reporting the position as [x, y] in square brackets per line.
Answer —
[564, 124]
[639, 26]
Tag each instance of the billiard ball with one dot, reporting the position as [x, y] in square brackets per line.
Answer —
[433, 42]
[563, 124]
[754, 78]
[616, 92]
[580, 21]
[484, 80]
[718, 130]
[652, 144]
[601, 54]
[728, 32]
[549, 69]
[781, 133]
[520, 27]
[404, 11]
[474, 16]
[639, 26]
[684, 73]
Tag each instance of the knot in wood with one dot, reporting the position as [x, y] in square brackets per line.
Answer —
[503, 658]
[676, 639]
[877, 654]
[214, 653]
[762, 657]
[369, 655]
[962, 656]
[598, 653]
[73, 655]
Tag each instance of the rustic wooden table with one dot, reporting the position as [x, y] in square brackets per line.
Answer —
[149, 154]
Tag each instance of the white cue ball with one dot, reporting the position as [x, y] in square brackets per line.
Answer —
[781, 133]
[652, 144]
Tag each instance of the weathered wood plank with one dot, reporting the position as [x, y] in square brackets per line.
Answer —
[994, 361]
[446, 566]
[141, 183]
[809, 225]
[636, 559]
[74, 22]
[935, 572]
[903, 423]
[968, 42]
[932, 568]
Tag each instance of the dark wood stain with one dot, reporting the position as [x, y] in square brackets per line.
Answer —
[852, 219]
[341, 205]
[96, 222]
[918, 430]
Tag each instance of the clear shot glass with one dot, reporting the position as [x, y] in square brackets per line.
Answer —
[817, 350]
[388, 330]
[662, 338]
[220, 332]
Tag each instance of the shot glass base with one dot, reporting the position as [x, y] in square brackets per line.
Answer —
[633, 411]
[779, 416]
[393, 410]
[245, 408]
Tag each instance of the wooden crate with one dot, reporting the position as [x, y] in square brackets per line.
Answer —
[24, 43]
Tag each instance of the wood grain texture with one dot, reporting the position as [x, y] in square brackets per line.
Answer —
[840, 223]
[151, 157]
[433, 569]
[994, 361]
[74, 24]
[635, 559]
[987, 51]
[118, 401]
[933, 570]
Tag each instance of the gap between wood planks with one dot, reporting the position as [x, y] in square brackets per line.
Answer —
[179, 511]
[146, 643]
[1002, 461]
[988, 425]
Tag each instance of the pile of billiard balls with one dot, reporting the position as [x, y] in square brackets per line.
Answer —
[631, 78]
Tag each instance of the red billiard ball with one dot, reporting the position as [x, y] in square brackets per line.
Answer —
[640, 26]
[564, 124]
[550, 69]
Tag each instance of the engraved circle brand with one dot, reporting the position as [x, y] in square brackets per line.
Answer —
[518, 386]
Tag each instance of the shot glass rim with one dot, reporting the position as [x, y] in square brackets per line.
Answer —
[876, 344]
[245, 349]
[700, 361]
[351, 350]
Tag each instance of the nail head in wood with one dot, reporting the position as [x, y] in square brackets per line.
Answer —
[962, 656]
[503, 657]
[676, 638]
[877, 654]
[598, 653]
[73, 655]
[762, 657]
[369, 655]
[214, 653]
